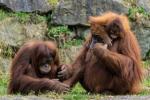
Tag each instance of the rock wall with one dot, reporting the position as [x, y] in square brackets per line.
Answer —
[76, 12]
[26, 5]
[73, 13]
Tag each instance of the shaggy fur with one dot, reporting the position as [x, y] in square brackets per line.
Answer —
[117, 68]
[25, 75]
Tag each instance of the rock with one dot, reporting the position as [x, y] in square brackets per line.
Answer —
[145, 4]
[24, 98]
[76, 12]
[26, 5]
[5, 64]
[14, 34]
[142, 31]
[67, 56]
[105, 97]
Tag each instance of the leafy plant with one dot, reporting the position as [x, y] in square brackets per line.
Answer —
[133, 13]
[62, 35]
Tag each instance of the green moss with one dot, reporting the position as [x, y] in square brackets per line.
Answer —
[23, 17]
[53, 2]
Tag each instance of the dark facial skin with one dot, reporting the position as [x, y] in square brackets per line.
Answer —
[112, 30]
[95, 39]
[45, 65]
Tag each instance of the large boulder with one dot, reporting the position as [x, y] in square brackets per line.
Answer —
[142, 31]
[76, 12]
[26, 5]
[15, 34]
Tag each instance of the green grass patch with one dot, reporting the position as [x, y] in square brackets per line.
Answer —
[3, 84]
[77, 93]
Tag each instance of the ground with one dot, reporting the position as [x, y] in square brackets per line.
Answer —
[77, 93]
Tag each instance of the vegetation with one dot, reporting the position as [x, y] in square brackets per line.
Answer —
[77, 93]
[148, 55]
[23, 17]
[6, 50]
[3, 14]
[3, 83]
[62, 35]
[53, 2]
[137, 12]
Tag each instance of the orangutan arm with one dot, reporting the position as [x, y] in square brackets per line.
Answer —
[77, 68]
[116, 63]
[28, 83]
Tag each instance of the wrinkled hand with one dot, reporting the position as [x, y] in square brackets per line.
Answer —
[100, 48]
[60, 87]
[64, 73]
[107, 42]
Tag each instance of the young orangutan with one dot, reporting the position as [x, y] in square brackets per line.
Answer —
[35, 68]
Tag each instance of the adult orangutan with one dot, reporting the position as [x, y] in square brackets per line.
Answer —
[110, 58]
[34, 68]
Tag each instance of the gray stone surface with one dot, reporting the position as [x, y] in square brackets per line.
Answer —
[26, 5]
[126, 97]
[5, 64]
[13, 33]
[145, 4]
[142, 31]
[75, 12]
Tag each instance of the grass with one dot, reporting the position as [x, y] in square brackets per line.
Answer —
[23, 17]
[77, 93]
[3, 83]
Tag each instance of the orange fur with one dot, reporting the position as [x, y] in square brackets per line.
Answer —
[116, 69]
